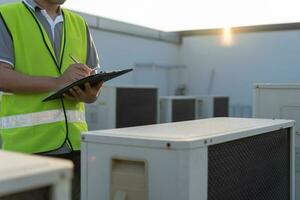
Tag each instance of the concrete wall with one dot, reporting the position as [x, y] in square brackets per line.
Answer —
[231, 70]
[121, 51]
[122, 45]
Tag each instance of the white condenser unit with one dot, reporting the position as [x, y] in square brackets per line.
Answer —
[123, 106]
[27, 176]
[208, 159]
[177, 108]
[280, 101]
[212, 106]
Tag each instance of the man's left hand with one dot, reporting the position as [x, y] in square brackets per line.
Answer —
[88, 95]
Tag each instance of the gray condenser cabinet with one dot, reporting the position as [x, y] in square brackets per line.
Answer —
[177, 108]
[28, 176]
[123, 106]
[208, 159]
[212, 106]
[280, 101]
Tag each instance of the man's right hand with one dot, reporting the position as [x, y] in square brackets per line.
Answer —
[15, 82]
[73, 73]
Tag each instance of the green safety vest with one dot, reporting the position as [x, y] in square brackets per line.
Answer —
[26, 123]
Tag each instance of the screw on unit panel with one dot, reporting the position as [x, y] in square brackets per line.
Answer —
[168, 145]
[82, 137]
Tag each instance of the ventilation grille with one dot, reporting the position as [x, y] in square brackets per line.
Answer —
[183, 110]
[37, 194]
[221, 106]
[136, 107]
[254, 168]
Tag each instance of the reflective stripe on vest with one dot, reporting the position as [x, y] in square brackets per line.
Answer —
[46, 117]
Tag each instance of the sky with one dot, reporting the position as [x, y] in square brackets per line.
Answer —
[179, 15]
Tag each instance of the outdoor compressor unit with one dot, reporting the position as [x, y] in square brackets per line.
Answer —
[177, 108]
[212, 106]
[209, 159]
[280, 101]
[123, 106]
[22, 176]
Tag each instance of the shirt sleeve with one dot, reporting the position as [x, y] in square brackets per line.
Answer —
[6, 45]
[92, 54]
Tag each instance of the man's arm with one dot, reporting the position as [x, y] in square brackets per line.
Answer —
[15, 82]
[12, 81]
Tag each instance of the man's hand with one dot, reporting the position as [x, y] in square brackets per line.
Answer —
[73, 73]
[89, 95]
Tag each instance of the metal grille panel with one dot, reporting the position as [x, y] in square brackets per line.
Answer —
[183, 110]
[136, 107]
[221, 106]
[254, 168]
[37, 194]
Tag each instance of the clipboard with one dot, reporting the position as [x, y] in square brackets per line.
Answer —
[93, 79]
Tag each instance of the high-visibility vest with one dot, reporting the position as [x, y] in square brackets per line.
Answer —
[26, 123]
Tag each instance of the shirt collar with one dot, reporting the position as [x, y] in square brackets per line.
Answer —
[33, 5]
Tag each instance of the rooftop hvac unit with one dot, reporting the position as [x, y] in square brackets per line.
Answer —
[177, 108]
[123, 106]
[34, 177]
[209, 159]
[280, 101]
[212, 106]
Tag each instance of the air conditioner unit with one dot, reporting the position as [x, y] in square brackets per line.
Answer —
[177, 108]
[123, 106]
[212, 106]
[209, 159]
[280, 101]
[23, 176]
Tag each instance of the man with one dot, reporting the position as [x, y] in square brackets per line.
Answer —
[36, 39]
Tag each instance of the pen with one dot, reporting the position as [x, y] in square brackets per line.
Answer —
[74, 59]
[77, 62]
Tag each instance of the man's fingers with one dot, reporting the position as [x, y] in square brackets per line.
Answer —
[82, 68]
[97, 88]
[80, 75]
[74, 93]
[69, 97]
[85, 69]
[99, 85]
[78, 91]
[82, 72]
[87, 87]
